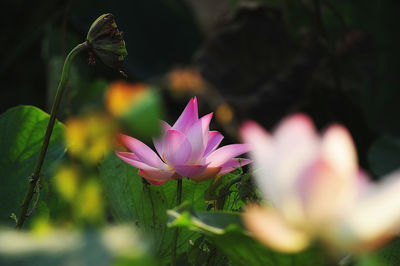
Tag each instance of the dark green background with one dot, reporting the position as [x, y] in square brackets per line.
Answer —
[338, 64]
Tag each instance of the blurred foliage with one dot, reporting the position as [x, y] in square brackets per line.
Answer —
[110, 246]
[137, 107]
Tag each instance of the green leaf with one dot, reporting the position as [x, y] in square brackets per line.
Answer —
[132, 200]
[114, 245]
[384, 155]
[21, 137]
[225, 230]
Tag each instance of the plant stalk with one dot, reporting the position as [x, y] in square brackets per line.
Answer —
[36, 173]
[176, 233]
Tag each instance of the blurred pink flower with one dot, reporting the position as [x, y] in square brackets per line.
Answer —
[187, 149]
[317, 190]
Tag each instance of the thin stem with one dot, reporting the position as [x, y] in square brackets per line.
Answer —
[179, 192]
[36, 173]
[176, 233]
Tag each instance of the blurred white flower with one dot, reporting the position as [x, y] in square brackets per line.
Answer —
[317, 190]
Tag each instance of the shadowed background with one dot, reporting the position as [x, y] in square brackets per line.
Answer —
[335, 60]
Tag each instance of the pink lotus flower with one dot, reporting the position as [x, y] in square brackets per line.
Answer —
[317, 190]
[187, 149]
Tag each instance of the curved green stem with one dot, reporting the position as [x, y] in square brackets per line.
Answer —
[176, 233]
[36, 173]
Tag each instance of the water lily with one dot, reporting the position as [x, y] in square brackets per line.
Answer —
[316, 190]
[186, 149]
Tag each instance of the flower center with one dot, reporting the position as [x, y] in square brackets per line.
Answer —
[169, 166]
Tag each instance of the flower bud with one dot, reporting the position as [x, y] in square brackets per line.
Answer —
[106, 41]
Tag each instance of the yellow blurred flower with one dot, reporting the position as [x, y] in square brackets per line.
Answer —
[122, 96]
[89, 203]
[90, 137]
[66, 182]
[186, 80]
[41, 227]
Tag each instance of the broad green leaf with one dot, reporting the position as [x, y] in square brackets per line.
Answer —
[132, 200]
[225, 230]
[21, 137]
[113, 245]
[384, 155]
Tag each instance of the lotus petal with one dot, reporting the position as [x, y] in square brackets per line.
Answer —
[188, 117]
[177, 148]
[270, 228]
[197, 135]
[189, 170]
[214, 139]
[223, 154]
[376, 216]
[133, 160]
[232, 164]
[156, 176]
[210, 172]
[159, 142]
[142, 151]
